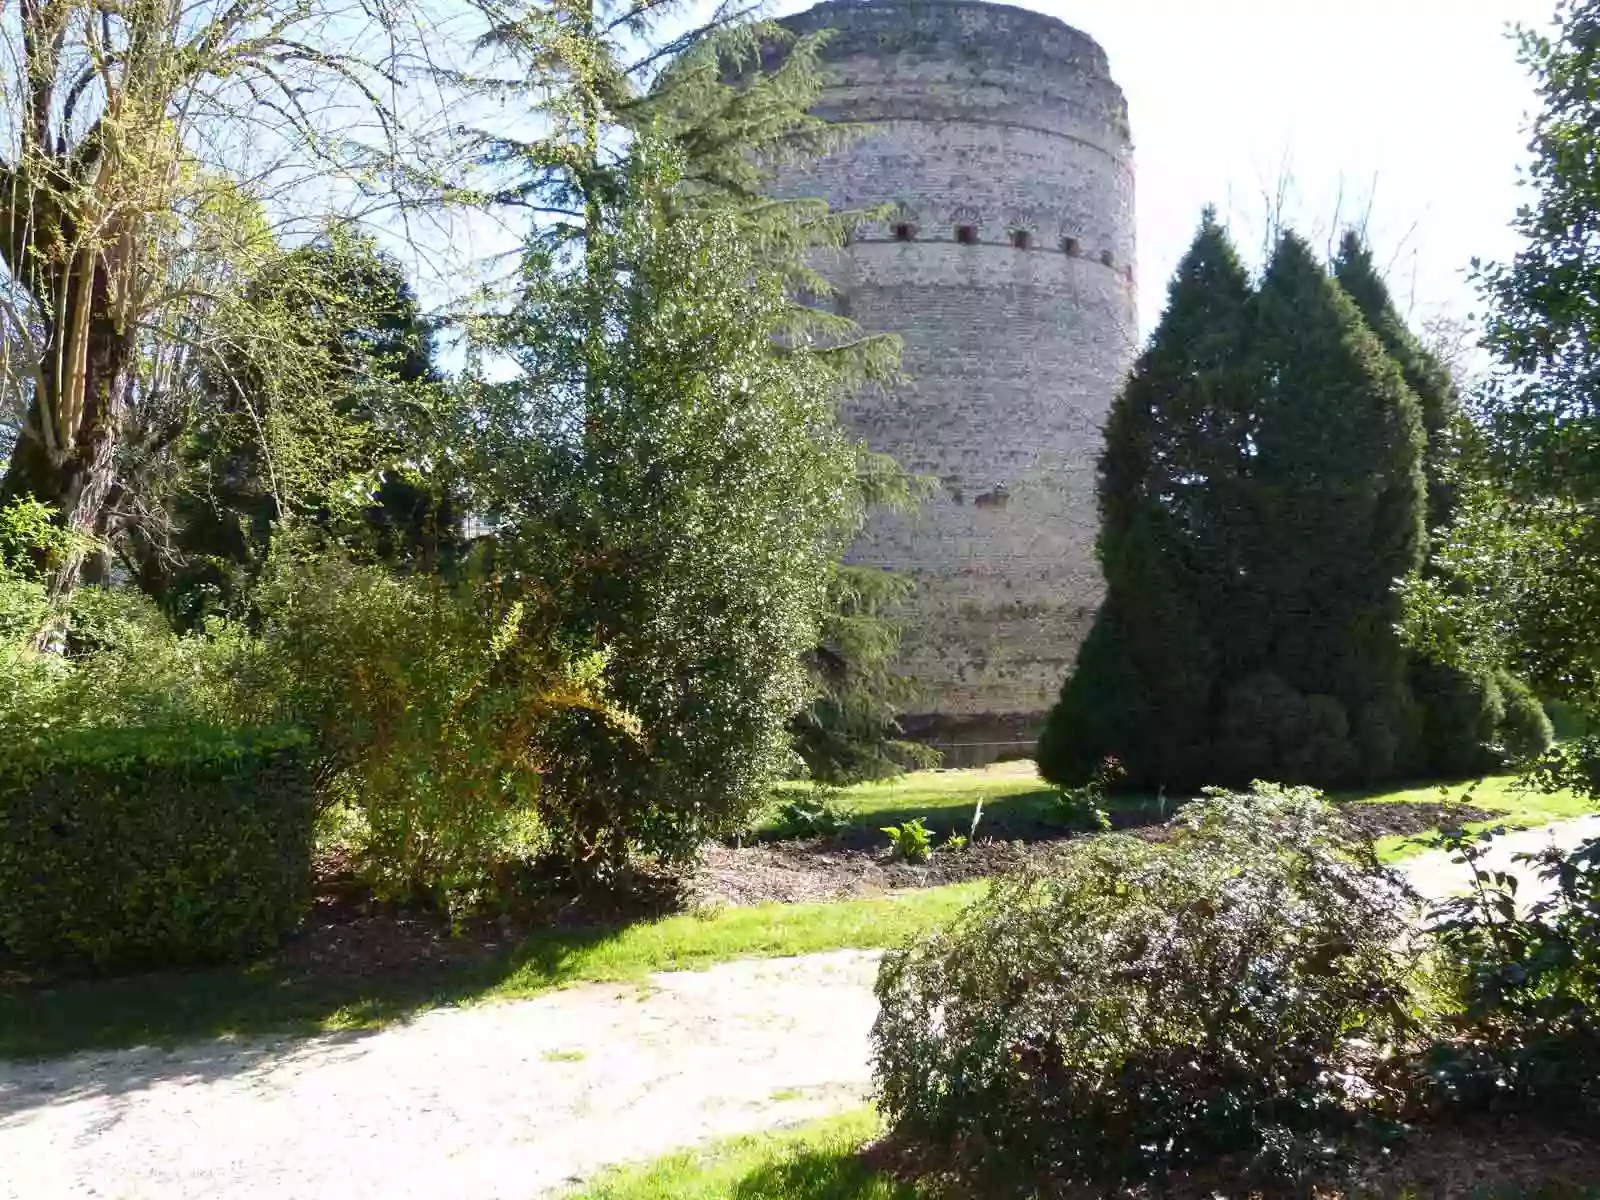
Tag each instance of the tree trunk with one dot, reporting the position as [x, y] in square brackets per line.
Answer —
[77, 474]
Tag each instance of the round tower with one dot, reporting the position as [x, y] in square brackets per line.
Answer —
[1001, 143]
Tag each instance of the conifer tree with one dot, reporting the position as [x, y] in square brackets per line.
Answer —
[1339, 501]
[1463, 711]
[1171, 484]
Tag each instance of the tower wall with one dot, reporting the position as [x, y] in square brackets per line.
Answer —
[984, 122]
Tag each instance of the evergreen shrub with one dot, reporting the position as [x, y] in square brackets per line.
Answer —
[1146, 1007]
[134, 848]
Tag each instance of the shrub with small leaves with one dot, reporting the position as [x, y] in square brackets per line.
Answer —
[1526, 984]
[910, 842]
[153, 847]
[1146, 1007]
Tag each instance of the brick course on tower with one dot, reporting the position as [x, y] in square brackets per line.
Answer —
[1001, 141]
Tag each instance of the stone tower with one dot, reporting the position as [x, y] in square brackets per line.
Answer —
[1002, 143]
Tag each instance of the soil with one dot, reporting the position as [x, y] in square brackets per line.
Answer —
[842, 868]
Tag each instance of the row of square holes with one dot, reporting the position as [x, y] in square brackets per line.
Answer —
[967, 235]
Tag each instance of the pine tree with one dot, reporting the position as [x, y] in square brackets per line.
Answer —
[1170, 486]
[1339, 508]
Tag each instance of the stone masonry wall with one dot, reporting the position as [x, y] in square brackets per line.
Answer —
[1001, 141]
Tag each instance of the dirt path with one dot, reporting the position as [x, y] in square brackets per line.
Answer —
[511, 1100]
[501, 1100]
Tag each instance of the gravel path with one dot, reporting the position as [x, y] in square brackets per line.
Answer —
[481, 1103]
[514, 1100]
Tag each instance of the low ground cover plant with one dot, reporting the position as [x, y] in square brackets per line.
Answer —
[1143, 1008]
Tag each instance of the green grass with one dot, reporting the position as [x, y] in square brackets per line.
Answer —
[817, 1161]
[1518, 807]
[1017, 803]
[170, 1007]
[269, 997]
[822, 1160]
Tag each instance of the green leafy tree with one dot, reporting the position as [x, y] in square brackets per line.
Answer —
[678, 469]
[333, 423]
[851, 730]
[1518, 585]
[1173, 497]
[122, 122]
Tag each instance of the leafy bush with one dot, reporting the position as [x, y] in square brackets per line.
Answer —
[910, 842]
[1525, 730]
[1526, 984]
[1145, 1007]
[820, 812]
[142, 847]
[433, 708]
[1083, 807]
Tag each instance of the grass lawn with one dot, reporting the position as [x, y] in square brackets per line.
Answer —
[1520, 808]
[266, 997]
[272, 997]
[817, 1161]
[1017, 803]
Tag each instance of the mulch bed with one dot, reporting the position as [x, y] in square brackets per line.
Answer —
[841, 868]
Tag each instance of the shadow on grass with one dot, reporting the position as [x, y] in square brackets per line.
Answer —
[1025, 816]
[274, 996]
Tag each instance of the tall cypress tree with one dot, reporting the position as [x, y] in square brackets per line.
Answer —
[1465, 712]
[1340, 501]
[1170, 482]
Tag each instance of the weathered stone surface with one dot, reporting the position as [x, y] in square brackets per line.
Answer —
[1002, 141]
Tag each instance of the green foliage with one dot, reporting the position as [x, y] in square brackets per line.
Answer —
[1260, 491]
[431, 705]
[820, 812]
[1518, 580]
[1083, 808]
[331, 419]
[1341, 495]
[677, 470]
[910, 841]
[143, 847]
[1526, 985]
[1170, 494]
[1526, 731]
[851, 731]
[1148, 1007]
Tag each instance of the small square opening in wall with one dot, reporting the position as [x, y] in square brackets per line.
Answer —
[1021, 239]
[1072, 247]
[1107, 258]
[904, 232]
[967, 235]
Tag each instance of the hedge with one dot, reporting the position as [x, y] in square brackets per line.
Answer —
[135, 848]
